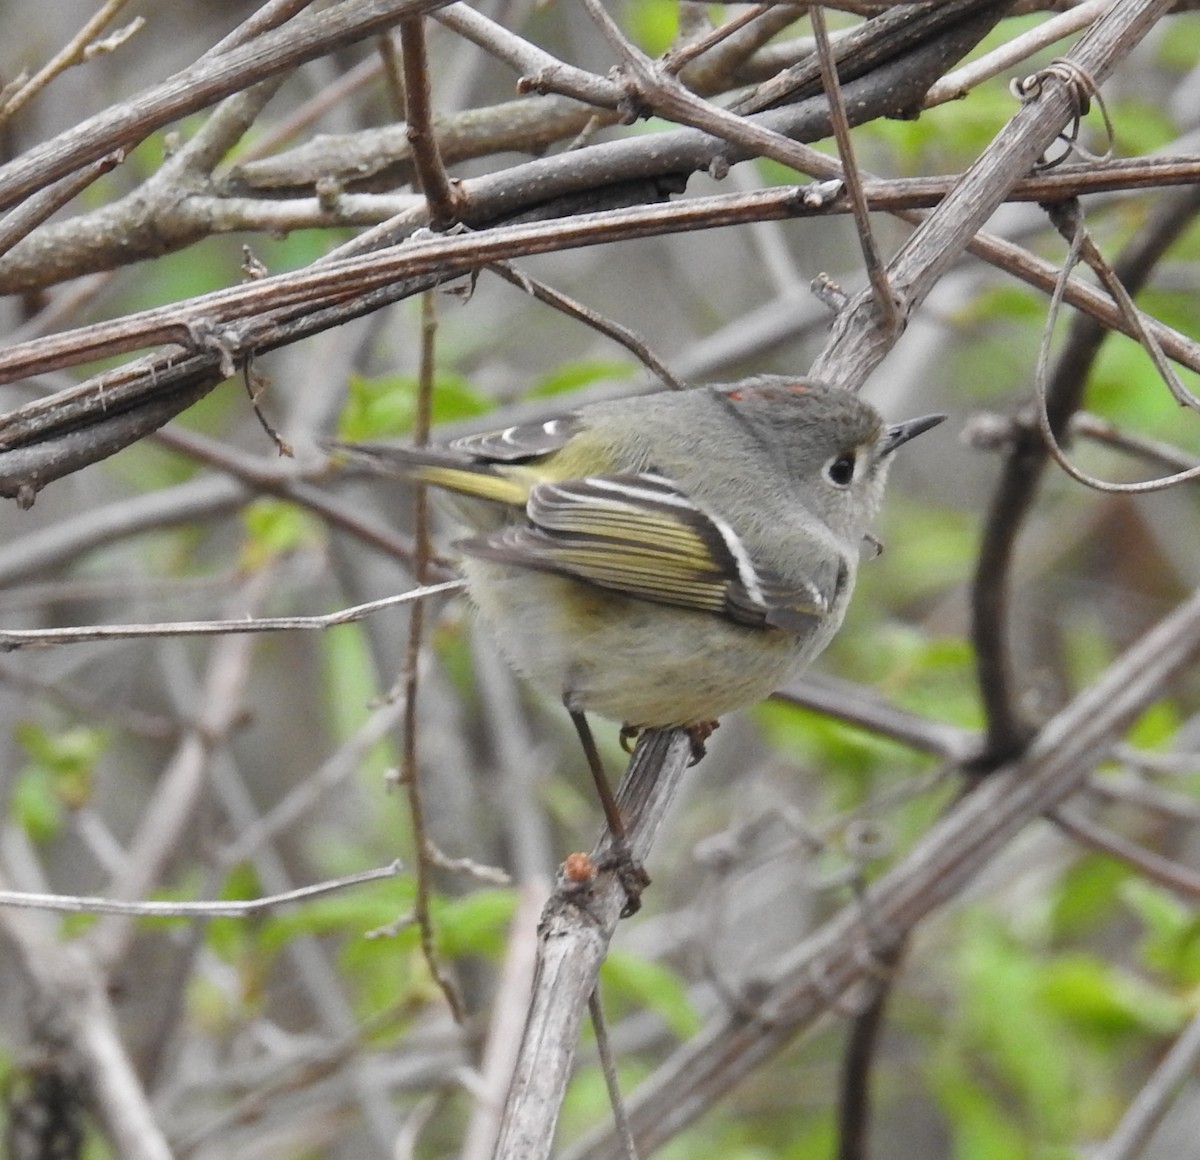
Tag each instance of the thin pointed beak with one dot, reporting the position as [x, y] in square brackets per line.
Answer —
[902, 432]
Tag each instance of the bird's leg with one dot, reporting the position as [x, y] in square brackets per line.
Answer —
[612, 814]
[632, 876]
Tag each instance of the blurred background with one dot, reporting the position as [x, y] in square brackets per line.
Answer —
[1026, 1015]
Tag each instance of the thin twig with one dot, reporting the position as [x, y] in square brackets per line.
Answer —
[955, 85]
[1079, 242]
[411, 682]
[72, 53]
[543, 72]
[1152, 451]
[1150, 1105]
[608, 1065]
[884, 295]
[285, 480]
[1178, 879]
[629, 339]
[446, 200]
[26, 217]
[676, 59]
[392, 67]
[859, 1057]
[17, 638]
[210, 908]
[1135, 789]
[1018, 485]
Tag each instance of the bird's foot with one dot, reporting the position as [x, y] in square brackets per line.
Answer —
[698, 734]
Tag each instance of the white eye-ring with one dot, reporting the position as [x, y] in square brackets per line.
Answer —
[840, 471]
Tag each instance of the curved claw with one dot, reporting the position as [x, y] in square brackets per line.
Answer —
[628, 737]
[698, 734]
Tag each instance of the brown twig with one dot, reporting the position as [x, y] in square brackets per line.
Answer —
[802, 987]
[410, 683]
[1133, 1133]
[1081, 244]
[573, 938]
[876, 274]
[676, 59]
[445, 198]
[1025, 462]
[608, 1065]
[451, 256]
[25, 218]
[1180, 880]
[264, 18]
[859, 1057]
[198, 86]
[74, 52]
[861, 336]
[629, 339]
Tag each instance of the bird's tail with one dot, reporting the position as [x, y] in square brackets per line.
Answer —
[441, 467]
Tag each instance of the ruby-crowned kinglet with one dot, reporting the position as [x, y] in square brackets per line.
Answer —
[665, 559]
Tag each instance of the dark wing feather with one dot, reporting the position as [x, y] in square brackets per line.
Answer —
[520, 443]
[639, 535]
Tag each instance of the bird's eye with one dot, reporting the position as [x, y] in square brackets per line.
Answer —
[840, 471]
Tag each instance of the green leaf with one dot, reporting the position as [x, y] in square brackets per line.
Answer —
[35, 807]
[978, 1126]
[64, 753]
[1170, 940]
[1141, 125]
[1100, 998]
[641, 982]
[1014, 1034]
[476, 924]
[273, 528]
[654, 24]
[1157, 727]
[1087, 896]
[572, 376]
[58, 773]
[1178, 50]
[387, 405]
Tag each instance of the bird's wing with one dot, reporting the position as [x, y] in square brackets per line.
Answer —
[640, 536]
[489, 466]
[517, 444]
